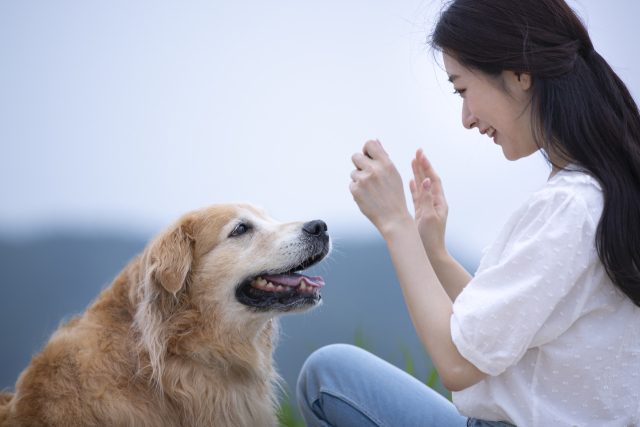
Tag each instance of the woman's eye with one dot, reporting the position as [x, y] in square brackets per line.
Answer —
[240, 229]
[458, 92]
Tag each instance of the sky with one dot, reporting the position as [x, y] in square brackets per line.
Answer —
[123, 115]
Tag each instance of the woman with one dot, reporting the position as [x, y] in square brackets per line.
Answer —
[547, 332]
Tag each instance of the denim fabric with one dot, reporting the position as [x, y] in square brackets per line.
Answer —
[342, 385]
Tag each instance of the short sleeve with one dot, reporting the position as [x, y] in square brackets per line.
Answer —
[549, 248]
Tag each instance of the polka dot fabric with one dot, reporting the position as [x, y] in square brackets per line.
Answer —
[543, 319]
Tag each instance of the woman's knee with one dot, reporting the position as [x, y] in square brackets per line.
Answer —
[328, 363]
[333, 357]
[326, 382]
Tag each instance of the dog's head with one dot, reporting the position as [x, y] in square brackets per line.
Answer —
[220, 274]
[235, 254]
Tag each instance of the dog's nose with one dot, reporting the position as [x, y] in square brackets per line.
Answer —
[315, 228]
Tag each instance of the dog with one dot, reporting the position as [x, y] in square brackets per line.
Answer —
[185, 333]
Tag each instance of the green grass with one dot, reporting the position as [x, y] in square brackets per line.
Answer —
[289, 417]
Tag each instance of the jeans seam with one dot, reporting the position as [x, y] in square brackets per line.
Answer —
[501, 422]
[357, 405]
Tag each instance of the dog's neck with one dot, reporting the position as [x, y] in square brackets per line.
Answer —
[218, 344]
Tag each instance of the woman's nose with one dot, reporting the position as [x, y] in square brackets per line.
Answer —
[469, 121]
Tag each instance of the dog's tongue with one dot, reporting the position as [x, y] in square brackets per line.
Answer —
[294, 279]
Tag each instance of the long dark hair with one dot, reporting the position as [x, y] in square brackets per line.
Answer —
[580, 110]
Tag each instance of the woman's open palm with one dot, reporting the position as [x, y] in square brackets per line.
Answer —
[430, 206]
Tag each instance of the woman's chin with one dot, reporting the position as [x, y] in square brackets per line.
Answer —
[508, 151]
[516, 149]
[513, 156]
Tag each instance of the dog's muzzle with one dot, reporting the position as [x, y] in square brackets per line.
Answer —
[283, 289]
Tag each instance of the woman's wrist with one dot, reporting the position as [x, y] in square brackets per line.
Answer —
[398, 227]
[438, 254]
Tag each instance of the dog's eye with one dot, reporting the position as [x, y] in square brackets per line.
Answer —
[240, 229]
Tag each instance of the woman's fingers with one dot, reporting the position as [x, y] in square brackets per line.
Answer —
[426, 198]
[437, 191]
[373, 150]
[352, 188]
[412, 187]
[419, 173]
[430, 172]
[415, 195]
[416, 172]
[423, 171]
[427, 169]
[360, 161]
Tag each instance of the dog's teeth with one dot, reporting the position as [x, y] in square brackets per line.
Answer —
[313, 258]
[261, 281]
[279, 288]
[270, 286]
[303, 285]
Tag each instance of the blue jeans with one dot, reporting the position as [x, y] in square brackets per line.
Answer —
[342, 385]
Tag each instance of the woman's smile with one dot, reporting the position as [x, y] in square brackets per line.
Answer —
[491, 132]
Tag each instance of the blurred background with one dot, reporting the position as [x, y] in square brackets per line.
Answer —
[117, 117]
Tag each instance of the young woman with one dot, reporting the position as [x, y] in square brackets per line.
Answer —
[547, 333]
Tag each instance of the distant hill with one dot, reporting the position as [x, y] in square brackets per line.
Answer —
[43, 281]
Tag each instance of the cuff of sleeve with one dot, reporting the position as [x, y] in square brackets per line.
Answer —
[470, 353]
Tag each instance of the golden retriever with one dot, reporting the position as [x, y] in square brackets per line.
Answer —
[184, 335]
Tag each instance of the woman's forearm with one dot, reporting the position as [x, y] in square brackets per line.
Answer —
[451, 274]
[430, 306]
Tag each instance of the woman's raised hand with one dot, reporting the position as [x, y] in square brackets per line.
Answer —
[430, 205]
[377, 188]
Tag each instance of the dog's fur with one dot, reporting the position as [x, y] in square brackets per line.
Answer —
[168, 343]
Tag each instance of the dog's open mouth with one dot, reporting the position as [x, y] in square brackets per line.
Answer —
[283, 291]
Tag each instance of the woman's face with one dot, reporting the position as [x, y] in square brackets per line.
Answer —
[502, 115]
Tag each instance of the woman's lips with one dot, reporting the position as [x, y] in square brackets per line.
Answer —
[492, 133]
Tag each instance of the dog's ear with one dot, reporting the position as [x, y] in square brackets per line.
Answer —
[171, 257]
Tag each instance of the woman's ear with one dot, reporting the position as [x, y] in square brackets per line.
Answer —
[170, 258]
[525, 81]
[517, 84]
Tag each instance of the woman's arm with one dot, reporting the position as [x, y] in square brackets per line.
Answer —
[429, 305]
[452, 276]
[431, 223]
[377, 188]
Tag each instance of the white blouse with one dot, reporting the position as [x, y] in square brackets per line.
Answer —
[560, 343]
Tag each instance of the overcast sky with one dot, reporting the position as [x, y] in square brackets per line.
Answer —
[125, 114]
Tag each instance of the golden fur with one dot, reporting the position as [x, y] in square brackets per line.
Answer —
[168, 343]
